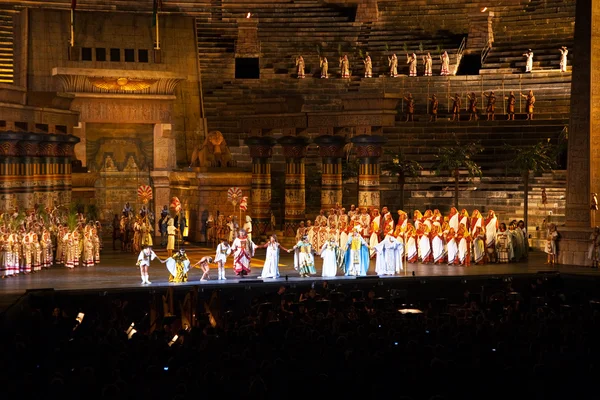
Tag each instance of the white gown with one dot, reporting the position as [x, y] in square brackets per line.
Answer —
[452, 251]
[329, 255]
[389, 256]
[271, 266]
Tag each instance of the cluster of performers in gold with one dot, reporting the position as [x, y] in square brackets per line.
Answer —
[30, 242]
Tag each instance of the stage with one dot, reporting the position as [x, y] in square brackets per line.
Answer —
[117, 270]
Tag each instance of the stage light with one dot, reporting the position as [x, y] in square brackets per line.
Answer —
[173, 341]
[484, 9]
[410, 311]
[248, 15]
[130, 331]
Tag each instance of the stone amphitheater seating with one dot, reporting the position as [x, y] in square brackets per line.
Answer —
[543, 26]
[288, 29]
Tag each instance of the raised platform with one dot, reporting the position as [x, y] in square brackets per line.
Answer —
[117, 272]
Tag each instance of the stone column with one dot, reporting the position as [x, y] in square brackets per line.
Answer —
[583, 157]
[49, 165]
[294, 150]
[368, 151]
[27, 150]
[65, 152]
[331, 149]
[261, 150]
[9, 164]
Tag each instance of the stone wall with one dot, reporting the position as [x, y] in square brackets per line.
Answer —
[48, 40]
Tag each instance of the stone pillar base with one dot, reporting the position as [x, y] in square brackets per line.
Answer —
[573, 246]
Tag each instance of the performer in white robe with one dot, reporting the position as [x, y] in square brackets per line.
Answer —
[453, 219]
[437, 243]
[424, 244]
[330, 253]
[271, 265]
[374, 230]
[389, 256]
[223, 250]
[243, 251]
[343, 234]
[452, 247]
[491, 227]
[412, 253]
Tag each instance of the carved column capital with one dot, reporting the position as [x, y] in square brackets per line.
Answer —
[331, 146]
[260, 146]
[294, 147]
[368, 146]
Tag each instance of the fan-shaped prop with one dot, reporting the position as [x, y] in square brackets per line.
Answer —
[244, 203]
[144, 193]
[176, 204]
[234, 195]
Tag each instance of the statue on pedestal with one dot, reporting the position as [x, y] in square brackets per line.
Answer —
[393, 64]
[324, 68]
[368, 66]
[428, 63]
[213, 152]
[131, 165]
[109, 164]
[300, 67]
[345, 66]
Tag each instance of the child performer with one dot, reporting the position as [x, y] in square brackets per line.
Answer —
[204, 262]
[143, 261]
[223, 250]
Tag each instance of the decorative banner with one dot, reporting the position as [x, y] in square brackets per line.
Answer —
[244, 203]
[176, 204]
[144, 193]
[234, 195]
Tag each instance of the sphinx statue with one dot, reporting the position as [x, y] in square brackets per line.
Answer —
[213, 152]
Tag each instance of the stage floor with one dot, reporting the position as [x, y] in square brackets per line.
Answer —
[118, 271]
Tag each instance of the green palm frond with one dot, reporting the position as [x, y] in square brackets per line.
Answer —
[537, 158]
[459, 156]
[398, 165]
[72, 221]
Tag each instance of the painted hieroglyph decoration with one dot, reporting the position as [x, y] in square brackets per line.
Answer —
[125, 84]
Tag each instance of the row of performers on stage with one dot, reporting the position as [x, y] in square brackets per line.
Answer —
[456, 239]
[30, 243]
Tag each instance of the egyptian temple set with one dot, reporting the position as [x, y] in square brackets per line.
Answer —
[199, 96]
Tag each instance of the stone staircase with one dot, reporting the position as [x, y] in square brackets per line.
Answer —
[543, 26]
[6, 47]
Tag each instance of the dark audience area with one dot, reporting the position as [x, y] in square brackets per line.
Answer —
[533, 337]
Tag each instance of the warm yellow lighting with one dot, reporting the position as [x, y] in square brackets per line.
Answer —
[410, 311]
[484, 9]
[248, 16]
